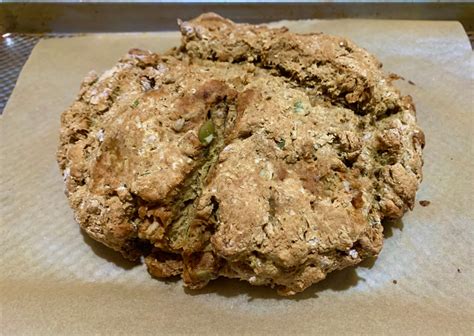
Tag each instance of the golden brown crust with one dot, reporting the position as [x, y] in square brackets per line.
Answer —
[250, 152]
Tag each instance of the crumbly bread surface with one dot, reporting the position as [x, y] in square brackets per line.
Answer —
[247, 152]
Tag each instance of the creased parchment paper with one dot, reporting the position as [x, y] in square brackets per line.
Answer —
[54, 280]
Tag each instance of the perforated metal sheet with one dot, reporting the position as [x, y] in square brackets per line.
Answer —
[14, 51]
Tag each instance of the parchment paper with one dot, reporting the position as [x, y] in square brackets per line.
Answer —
[54, 280]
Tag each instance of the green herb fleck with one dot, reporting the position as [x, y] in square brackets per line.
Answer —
[134, 104]
[299, 108]
[280, 143]
[146, 172]
[203, 274]
[206, 132]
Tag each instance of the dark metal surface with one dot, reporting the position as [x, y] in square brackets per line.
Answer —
[14, 51]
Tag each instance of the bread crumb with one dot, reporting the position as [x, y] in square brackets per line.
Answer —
[424, 203]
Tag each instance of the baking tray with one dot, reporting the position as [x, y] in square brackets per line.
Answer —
[56, 281]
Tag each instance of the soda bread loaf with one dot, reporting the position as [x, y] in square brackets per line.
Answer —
[247, 152]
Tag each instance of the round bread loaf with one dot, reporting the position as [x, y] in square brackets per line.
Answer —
[247, 152]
